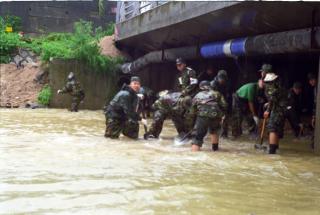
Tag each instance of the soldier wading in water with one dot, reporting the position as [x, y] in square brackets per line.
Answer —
[208, 106]
[276, 108]
[122, 112]
[74, 89]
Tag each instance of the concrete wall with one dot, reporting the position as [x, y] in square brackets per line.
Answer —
[57, 16]
[317, 129]
[98, 87]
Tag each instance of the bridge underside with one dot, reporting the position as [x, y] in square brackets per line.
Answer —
[177, 24]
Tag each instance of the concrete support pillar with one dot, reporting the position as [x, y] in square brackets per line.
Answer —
[317, 129]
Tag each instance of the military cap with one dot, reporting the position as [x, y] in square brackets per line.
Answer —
[180, 61]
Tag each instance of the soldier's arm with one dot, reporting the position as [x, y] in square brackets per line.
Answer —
[67, 88]
[193, 83]
[223, 104]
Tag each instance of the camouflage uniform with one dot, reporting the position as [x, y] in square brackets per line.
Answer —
[277, 104]
[148, 100]
[74, 89]
[166, 106]
[223, 90]
[208, 106]
[293, 111]
[121, 114]
[188, 82]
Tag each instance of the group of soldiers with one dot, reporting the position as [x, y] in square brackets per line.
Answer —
[204, 104]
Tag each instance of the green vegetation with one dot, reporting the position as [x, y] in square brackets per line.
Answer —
[81, 45]
[8, 44]
[45, 95]
[10, 21]
[9, 41]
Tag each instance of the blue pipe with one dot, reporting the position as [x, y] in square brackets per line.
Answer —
[227, 48]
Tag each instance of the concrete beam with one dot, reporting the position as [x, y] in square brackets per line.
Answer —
[165, 15]
[317, 129]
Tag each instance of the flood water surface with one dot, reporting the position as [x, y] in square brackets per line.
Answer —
[57, 162]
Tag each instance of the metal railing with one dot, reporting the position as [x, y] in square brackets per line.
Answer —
[128, 9]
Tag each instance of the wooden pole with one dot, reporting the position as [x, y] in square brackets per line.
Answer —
[317, 128]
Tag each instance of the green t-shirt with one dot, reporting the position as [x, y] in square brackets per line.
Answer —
[248, 91]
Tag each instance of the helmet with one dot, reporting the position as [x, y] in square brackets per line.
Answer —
[71, 76]
[266, 68]
[222, 75]
[180, 61]
[270, 77]
[204, 85]
[297, 85]
[223, 72]
[311, 76]
[135, 78]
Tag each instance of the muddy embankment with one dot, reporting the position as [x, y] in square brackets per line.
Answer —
[23, 78]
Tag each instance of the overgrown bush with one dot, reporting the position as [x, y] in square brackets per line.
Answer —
[44, 95]
[81, 45]
[10, 21]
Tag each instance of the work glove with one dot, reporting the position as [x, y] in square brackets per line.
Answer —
[141, 96]
[144, 122]
[256, 120]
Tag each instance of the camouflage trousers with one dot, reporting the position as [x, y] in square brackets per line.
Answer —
[202, 126]
[179, 122]
[225, 125]
[276, 121]
[114, 126]
[76, 102]
[240, 112]
[294, 119]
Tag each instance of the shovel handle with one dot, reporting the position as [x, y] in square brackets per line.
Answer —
[262, 130]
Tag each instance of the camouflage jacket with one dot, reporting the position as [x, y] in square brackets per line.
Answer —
[277, 97]
[294, 101]
[73, 87]
[209, 103]
[124, 105]
[188, 82]
[167, 103]
[223, 89]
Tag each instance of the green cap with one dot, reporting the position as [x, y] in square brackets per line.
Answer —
[266, 68]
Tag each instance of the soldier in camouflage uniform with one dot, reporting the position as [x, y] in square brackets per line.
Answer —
[188, 82]
[166, 106]
[294, 108]
[261, 97]
[220, 84]
[208, 106]
[122, 112]
[276, 107]
[74, 89]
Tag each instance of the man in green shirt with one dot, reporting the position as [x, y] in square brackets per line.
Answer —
[243, 107]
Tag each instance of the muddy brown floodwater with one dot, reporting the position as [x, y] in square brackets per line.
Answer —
[57, 162]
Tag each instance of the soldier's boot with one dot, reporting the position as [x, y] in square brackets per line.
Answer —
[148, 135]
[215, 147]
[273, 148]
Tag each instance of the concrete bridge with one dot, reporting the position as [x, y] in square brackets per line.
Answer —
[237, 35]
